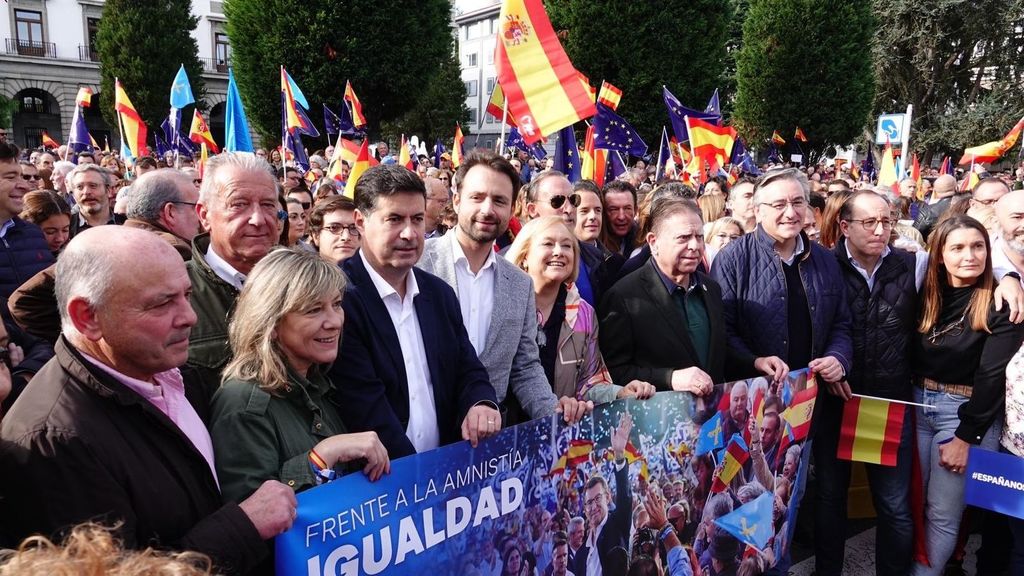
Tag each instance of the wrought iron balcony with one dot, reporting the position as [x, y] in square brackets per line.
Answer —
[218, 65]
[88, 54]
[27, 48]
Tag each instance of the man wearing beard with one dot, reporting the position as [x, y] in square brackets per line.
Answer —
[88, 183]
[496, 298]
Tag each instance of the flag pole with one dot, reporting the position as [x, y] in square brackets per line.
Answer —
[504, 119]
[120, 121]
[284, 136]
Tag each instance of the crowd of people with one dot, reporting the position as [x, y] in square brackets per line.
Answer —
[185, 348]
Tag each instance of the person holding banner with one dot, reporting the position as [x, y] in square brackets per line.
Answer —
[271, 419]
[959, 363]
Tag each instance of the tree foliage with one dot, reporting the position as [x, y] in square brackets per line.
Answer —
[640, 46]
[958, 62]
[393, 53]
[143, 44]
[805, 63]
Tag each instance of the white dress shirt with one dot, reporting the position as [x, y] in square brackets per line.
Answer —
[422, 429]
[223, 270]
[476, 295]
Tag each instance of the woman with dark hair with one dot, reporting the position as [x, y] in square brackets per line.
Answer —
[959, 360]
[48, 210]
[830, 233]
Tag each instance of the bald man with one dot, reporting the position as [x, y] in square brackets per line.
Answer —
[942, 195]
[111, 430]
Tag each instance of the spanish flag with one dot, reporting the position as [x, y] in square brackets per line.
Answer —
[362, 164]
[544, 90]
[915, 175]
[711, 142]
[736, 455]
[404, 158]
[778, 139]
[871, 431]
[579, 452]
[887, 172]
[49, 142]
[798, 414]
[84, 97]
[132, 127]
[609, 95]
[799, 135]
[496, 106]
[358, 119]
[992, 151]
[457, 152]
[200, 132]
[594, 160]
[295, 119]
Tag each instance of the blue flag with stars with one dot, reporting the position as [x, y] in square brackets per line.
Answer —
[538, 151]
[438, 151]
[711, 436]
[751, 523]
[515, 141]
[616, 167]
[677, 113]
[567, 155]
[713, 106]
[741, 157]
[611, 132]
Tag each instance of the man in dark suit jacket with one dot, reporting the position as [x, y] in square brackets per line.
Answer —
[607, 529]
[406, 368]
[662, 322]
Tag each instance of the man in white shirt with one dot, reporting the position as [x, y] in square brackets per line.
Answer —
[406, 369]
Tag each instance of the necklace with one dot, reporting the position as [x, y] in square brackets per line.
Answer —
[953, 329]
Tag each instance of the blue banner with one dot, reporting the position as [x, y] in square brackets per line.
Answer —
[519, 496]
[995, 481]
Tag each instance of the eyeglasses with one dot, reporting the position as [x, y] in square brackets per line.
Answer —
[796, 203]
[337, 229]
[988, 202]
[559, 200]
[185, 203]
[870, 224]
[595, 500]
[31, 177]
[445, 179]
[197, 182]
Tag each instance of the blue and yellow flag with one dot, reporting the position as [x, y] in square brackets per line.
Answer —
[711, 436]
[751, 523]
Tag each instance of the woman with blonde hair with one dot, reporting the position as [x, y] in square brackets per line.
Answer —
[271, 418]
[719, 233]
[712, 206]
[547, 250]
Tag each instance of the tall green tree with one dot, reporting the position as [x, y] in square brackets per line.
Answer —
[805, 63]
[640, 46]
[389, 49]
[958, 62]
[143, 44]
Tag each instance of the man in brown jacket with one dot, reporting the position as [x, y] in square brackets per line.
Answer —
[112, 431]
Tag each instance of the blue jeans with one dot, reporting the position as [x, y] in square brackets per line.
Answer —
[944, 490]
[889, 492]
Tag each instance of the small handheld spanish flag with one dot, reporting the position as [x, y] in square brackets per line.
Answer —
[799, 135]
[49, 142]
[778, 139]
[357, 107]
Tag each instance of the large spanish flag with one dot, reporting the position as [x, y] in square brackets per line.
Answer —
[711, 142]
[543, 88]
[871, 431]
[132, 126]
[992, 151]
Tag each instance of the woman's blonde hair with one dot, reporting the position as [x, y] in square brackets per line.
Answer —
[520, 247]
[712, 206]
[286, 280]
[92, 549]
[718, 225]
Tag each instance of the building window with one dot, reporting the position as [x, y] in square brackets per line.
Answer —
[92, 26]
[29, 26]
[34, 104]
[490, 55]
[471, 88]
[473, 31]
[490, 85]
[33, 137]
[489, 144]
[222, 51]
[472, 116]
[491, 119]
[471, 60]
[493, 25]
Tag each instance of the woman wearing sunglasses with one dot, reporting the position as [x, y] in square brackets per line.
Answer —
[959, 361]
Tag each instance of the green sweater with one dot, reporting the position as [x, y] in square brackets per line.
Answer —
[258, 436]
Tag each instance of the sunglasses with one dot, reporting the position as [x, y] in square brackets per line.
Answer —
[305, 205]
[31, 177]
[559, 200]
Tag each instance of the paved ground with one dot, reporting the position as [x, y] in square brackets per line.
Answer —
[860, 557]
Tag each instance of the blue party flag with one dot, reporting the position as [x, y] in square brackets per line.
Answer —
[711, 436]
[751, 523]
[236, 127]
[181, 90]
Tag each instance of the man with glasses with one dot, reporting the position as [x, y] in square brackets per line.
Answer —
[784, 301]
[164, 202]
[881, 284]
[983, 199]
[551, 194]
[303, 197]
[31, 174]
[24, 244]
[90, 185]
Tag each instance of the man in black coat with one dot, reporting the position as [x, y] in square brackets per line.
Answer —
[942, 196]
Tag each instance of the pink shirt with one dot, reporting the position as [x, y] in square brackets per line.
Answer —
[167, 394]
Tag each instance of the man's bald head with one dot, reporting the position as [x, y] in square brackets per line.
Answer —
[944, 186]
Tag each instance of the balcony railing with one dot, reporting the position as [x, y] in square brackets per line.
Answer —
[88, 54]
[215, 65]
[27, 48]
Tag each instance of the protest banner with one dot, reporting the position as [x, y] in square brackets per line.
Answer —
[995, 481]
[456, 509]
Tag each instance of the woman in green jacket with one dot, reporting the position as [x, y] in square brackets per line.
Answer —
[272, 418]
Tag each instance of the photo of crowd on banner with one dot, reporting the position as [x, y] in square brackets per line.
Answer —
[722, 471]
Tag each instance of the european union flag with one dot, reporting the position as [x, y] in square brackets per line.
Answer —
[567, 154]
[741, 157]
[538, 151]
[711, 436]
[616, 167]
[611, 132]
[438, 150]
[751, 523]
[331, 121]
[773, 153]
[294, 144]
[677, 113]
[515, 141]
[341, 123]
[162, 147]
[301, 112]
[713, 106]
